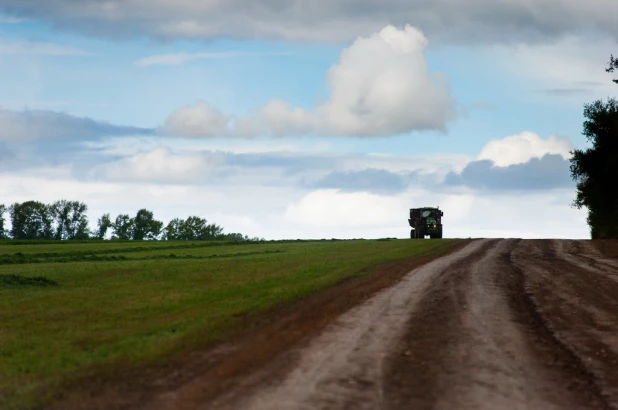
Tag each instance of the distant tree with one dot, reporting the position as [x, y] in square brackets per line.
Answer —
[31, 220]
[123, 227]
[596, 168]
[172, 230]
[145, 226]
[3, 231]
[214, 231]
[613, 65]
[193, 228]
[71, 219]
[237, 237]
[104, 223]
[196, 228]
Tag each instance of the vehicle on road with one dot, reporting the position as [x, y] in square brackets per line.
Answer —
[426, 221]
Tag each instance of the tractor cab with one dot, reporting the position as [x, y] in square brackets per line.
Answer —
[426, 221]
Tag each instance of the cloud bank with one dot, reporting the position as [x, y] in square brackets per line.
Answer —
[29, 125]
[453, 21]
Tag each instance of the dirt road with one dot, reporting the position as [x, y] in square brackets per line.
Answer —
[499, 324]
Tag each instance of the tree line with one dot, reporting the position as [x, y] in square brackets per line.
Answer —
[596, 169]
[68, 220]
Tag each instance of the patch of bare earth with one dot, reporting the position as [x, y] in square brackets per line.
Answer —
[576, 293]
[476, 341]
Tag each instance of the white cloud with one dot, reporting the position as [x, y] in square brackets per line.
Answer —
[162, 166]
[380, 86]
[198, 120]
[38, 48]
[181, 58]
[520, 148]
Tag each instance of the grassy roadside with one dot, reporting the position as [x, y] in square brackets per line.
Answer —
[153, 302]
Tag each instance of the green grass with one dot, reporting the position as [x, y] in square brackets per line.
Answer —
[67, 309]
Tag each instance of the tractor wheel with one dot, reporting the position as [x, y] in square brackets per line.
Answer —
[420, 234]
[412, 232]
[439, 234]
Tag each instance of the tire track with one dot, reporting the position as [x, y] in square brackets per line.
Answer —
[579, 305]
[476, 342]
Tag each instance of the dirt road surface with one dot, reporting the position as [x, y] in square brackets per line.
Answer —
[499, 324]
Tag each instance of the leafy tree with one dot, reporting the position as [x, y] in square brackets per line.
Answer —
[145, 226]
[71, 219]
[214, 231]
[31, 220]
[104, 223]
[193, 228]
[596, 168]
[172, 230]
[123, 227]
[3, 231]
[238, 237]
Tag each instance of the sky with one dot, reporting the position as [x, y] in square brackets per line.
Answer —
[305, 119]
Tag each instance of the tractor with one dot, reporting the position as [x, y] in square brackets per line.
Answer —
[426, 221]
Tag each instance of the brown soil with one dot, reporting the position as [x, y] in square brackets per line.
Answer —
[188, 379]
[492, 349]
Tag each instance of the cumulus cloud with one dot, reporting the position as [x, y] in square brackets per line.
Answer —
[520, 148]
[549, 172]
[454, 21]
[28, 125]
[197, 120]
[380, 86]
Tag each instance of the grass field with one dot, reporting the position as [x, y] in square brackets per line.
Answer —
[66, 309]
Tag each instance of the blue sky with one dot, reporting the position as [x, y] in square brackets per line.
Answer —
[349, 121]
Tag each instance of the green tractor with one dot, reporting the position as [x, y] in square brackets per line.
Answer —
[426, 221]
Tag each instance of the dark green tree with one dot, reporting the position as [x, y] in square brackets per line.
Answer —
[145, 226]
[104, 223]
[31, 220]
[172, 230]
[214, 231]
[3, 231]
[193, 228]
[123, 227]
[71, 219]
[237, 237]
[596, 169]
